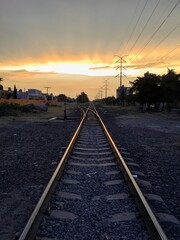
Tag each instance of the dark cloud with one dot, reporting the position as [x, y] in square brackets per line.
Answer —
[101, 67]
[26, 73]
[133, 66]
[146, 65]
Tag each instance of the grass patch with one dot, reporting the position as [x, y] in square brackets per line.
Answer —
[53, 111]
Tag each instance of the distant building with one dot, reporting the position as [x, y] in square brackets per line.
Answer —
[122, 90]
[35, 94]
[30, 94]
[6, 93]
[121, 93]
[21, 95]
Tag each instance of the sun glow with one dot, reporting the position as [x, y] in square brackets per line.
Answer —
[76, 68]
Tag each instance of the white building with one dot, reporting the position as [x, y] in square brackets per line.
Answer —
[35, 94]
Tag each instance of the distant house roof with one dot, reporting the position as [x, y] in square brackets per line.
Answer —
[34, 92]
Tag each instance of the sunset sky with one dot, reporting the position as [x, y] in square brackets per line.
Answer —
[70, 45]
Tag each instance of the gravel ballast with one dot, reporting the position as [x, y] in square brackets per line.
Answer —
[29, 153]
[153, 141]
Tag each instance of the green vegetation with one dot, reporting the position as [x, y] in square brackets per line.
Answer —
[28, 113]
[62, 97]
[82, 98]
[6, 108]
[152, 89]
[14, 108]
[110, 100]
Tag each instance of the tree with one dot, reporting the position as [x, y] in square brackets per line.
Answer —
[61, 98]
[170, 87]
[110, 100]
[1, 79]
[82, 98]
[15, 92]
[146, 89]
[1, 87]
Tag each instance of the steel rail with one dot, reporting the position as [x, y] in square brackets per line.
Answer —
[32, 225]
[82, 110]
[152, 223]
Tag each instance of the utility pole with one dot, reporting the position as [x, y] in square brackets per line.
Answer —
[47, 89]
[106, 87]
[120, 67]
[65, 115]
[101, 93]
[1, 79]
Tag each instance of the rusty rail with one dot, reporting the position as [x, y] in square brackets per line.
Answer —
[32, 225]
[152, 223]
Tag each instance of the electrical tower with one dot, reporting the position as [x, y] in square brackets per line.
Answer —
[106, 87]
[120, 67]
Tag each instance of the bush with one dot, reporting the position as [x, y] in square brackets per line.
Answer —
[13, 108]
[6, 106]
[27, 108]
[9, 109]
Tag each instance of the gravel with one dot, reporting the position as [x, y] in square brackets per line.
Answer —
[153, 141]
[29, 153]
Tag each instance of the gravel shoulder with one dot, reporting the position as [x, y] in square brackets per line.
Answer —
[153, 141]
[29, 152]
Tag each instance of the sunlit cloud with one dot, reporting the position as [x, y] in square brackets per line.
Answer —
[83, 67]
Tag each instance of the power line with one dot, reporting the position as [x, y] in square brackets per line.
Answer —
[161, 58]
[170, 52]
[164, 10]
[124, 37]
[136, 24]
[163, 40]
[157, 29]
[112, 81]
[145, 25]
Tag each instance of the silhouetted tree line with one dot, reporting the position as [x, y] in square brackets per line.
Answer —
[9, 93]
[110, 100]
[152, 89]
[82, 98]
[61, 97]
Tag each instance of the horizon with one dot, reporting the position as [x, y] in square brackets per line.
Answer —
[71, 46]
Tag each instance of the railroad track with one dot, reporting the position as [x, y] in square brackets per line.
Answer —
[92, 193]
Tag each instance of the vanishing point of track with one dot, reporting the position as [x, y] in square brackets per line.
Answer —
[92, 193]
